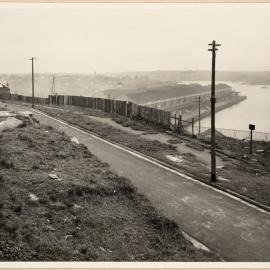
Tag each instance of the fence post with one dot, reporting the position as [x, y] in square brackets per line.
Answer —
[192, 123]
[179, 128]
[250, 150]
[175, 122]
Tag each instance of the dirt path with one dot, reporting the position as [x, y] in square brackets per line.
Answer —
[236, 230]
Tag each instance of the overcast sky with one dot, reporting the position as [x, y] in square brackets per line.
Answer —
[123, 37]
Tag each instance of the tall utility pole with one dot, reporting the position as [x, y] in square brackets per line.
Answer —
[199, 100]
[53, 86]
[94, 82]
[33, 80]
[213, 101]
[199, 115]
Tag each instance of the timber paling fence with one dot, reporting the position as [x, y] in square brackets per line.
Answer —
[132, 110]
[124, 108]
[22, 98]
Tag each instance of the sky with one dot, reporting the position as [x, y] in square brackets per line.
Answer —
[84, 38]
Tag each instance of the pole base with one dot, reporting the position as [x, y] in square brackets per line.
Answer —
[213, 177]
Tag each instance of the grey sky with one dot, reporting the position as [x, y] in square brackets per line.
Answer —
[122, 37]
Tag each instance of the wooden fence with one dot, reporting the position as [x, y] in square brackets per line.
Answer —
[22, 98]
[124, 108]
[119, 107]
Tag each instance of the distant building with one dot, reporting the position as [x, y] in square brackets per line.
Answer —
[4, 91]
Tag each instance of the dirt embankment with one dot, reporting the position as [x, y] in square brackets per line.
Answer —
[60, 203]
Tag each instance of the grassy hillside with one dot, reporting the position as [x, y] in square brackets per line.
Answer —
[60, 203]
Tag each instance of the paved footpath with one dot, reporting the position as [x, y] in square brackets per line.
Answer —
[236, 230]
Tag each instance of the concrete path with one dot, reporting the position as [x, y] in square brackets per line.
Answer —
[236, 230]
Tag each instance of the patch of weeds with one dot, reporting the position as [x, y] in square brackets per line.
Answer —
[9, 250]
[35, 166]
[17, 209]
[174, 141]
[48, 127]
[52, 141]
[7, 163]
[189, 156]
[35, 120]
[62, 154]
[125, 187]
[10, 226]
[2, 178]
[164, 224]
[7, 130]
[25, 137]
[150, 132]
[195, 146]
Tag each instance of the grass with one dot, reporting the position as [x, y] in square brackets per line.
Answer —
[90, 215]
[249, 174]
[174, 141]
[153, 148]
[136, 124]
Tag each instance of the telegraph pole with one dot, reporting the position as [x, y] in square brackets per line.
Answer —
[199, 115]
[199, 100]
[53, 86]
[213, 101]
[33, 80]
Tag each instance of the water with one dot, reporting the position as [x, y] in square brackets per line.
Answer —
[254, 110]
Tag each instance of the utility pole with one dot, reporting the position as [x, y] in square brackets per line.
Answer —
[199, 115]
[53, 86]
[199, 100]
[213, 101]
[33, 88]
[94, 82]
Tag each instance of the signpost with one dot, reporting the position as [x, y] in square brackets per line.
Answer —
[251, 127]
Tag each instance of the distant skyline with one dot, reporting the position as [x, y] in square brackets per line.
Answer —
[83, 38]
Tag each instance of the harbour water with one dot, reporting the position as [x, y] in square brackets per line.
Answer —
[254, 110]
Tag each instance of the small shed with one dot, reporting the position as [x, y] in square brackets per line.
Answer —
[4, 91]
